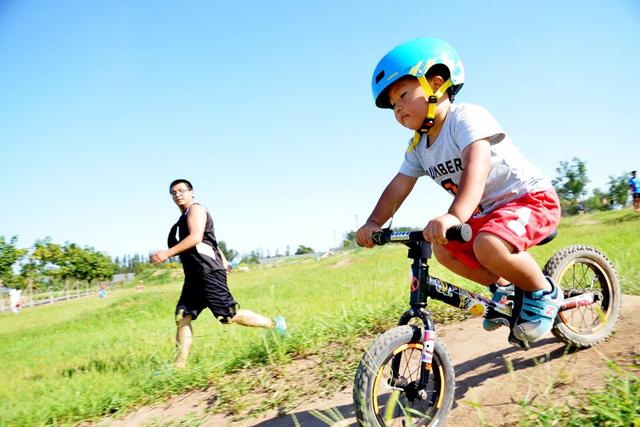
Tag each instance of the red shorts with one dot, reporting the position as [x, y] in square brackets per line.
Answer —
[523, 223]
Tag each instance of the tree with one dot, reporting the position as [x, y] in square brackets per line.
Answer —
[87, 263]
[349, 240]
[252, 258]
[9, 255]
[45, 263]
[572, 180]
[597, 201]
[619, 189]
[304, 250]
[49, 262]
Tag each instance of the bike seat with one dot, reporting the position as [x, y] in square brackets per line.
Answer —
[549, 238]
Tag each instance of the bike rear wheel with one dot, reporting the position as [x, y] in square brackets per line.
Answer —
[580, 269]
[386, 390]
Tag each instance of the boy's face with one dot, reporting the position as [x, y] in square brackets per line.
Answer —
[409, 103]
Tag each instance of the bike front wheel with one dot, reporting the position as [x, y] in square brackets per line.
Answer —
[387, 389]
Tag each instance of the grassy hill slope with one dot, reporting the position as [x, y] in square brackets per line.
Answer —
[83, 359]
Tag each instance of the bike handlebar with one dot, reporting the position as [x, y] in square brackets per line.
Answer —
[459, 233]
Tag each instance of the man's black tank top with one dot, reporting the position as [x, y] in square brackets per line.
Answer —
[202, 258]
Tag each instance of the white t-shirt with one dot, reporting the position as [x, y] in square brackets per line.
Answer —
[511, 175]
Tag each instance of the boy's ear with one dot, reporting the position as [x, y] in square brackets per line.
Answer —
[436, 82]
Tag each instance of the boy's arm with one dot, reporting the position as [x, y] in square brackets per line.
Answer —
[477, 160]
[197, 221]
[391, 199]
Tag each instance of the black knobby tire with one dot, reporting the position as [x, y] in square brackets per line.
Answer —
[577, 269]
[372, 392]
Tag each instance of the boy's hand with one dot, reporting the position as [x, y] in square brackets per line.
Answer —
[435, 230]
[364, 234]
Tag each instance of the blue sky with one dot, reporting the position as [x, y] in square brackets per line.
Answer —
[266, 108]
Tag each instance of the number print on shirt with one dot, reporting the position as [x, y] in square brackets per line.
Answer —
[452, 188]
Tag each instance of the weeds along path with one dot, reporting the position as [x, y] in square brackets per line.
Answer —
[492, 377]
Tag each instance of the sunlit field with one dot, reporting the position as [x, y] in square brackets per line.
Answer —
[83, 359]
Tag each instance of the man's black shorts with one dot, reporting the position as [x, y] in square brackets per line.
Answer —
[207, 290]
[636, 196]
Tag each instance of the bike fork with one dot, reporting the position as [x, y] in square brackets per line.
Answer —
[427, 336]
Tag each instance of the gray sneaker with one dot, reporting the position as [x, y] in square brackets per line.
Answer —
[538, 313]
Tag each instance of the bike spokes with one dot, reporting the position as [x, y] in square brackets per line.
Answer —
[398, 396]
[589, 281]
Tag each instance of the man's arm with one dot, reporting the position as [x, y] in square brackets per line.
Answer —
[197, 221]
[390, 201]
[227, 265]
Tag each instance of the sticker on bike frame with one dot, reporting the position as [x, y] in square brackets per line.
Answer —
[478, 309]
[415, 284]
[428, 345]
[444, 288]
[476, 306]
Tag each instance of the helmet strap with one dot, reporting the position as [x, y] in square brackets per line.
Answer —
[432, 103]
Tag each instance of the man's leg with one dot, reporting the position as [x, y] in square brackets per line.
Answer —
[249, 318]
[225, 308]
[184, 337]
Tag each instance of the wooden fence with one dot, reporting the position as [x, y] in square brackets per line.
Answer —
[31, 298]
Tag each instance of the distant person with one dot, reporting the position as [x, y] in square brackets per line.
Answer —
[15, 303]
[634, 187]
[103, 292]
[205, 272]
[580, 208]
[140, 286]
[509, 204]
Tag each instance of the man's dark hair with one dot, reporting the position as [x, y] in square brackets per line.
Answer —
[178, 181]
[633, 172]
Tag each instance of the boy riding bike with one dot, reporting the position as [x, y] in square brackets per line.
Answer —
[508, 203]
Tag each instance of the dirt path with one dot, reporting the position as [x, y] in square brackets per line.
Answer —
[486, 391]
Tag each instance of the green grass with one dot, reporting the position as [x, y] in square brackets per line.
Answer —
[86, 358]
[615, 404]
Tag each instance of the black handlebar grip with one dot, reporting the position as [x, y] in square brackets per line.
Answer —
[381, 237]
[459, 233]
